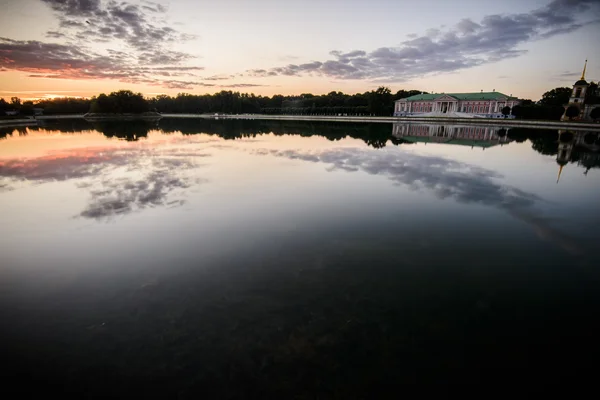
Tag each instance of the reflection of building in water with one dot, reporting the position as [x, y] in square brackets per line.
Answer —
[580, 147]
[466, 135]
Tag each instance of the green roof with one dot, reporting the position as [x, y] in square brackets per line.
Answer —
[460, 96]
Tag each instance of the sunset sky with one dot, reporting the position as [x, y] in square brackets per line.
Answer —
[51, 48]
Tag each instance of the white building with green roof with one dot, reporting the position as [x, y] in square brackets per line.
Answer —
[465, 105]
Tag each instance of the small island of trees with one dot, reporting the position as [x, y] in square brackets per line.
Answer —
[122, 104]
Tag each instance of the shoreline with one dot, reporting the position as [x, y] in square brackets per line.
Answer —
[582, 126]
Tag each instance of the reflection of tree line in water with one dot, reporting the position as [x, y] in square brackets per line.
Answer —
[377, 135]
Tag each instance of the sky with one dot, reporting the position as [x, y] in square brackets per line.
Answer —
[57, 48]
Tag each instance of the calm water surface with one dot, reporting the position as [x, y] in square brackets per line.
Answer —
[264, 259]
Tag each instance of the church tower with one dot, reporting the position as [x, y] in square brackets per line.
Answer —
[577, 98]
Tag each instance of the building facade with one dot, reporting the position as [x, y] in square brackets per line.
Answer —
[465, 105]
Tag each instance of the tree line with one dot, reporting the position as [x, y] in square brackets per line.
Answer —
[379, 102]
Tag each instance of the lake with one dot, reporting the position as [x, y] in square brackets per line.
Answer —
[245, 259]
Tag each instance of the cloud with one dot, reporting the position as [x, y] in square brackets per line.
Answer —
[141, 30]
[218, 77]
[568, 74]
[132, 23]
[71, 61]
[465, 45]
[241, 85]
[445, 178]
[174, 84]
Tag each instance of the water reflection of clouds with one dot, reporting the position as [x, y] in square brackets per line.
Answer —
[160, 174]
[445, 178]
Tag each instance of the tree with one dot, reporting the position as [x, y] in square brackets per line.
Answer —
[27, 108]
[3, 106]
[505, 111]
[15, 102]
[592, 94]
[517, 111]
[572, 112]
[121, 102]
[556, 97]
[380, 101]
[595, 114]
[402, 94]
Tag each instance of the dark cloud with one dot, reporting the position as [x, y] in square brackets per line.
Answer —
[70, 61]
[55, 34]
[155, 7]
[467, 44]
[241, 85]
[142, 28]
[445, 178]
[173, 84]
[568, 74]
[218, 77]
[93, 20]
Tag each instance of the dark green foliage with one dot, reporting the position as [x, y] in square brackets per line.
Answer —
[536, 111]
[26, 108]
[67, 105]
[572, 112]
[592, 94]
[121, 102]
[402, 94]
[4, 106]
[595, 114]
[556, 97]
[506, 111]
[380, 101]
[377, 102]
